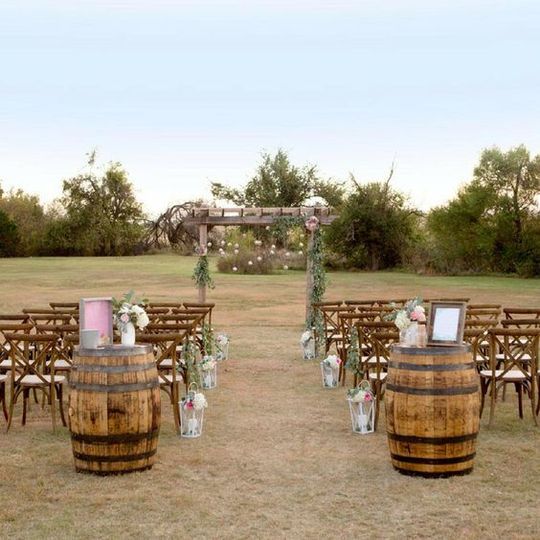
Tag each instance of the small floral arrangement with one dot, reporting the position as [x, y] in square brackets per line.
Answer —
[312, 224]
[412, 312]
[222, 344]
[361, 394]
[332, 361]
[128, 310]
[194, 400]
[222, 340]
[207, 363]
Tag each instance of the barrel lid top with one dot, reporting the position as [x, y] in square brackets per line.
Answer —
[446, 350]
[115, 350]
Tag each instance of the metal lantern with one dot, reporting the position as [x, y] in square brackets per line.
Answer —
[208, 372]
[222, 348]
[307, 341]
[192, 412]
[330, 375]
[362, 404]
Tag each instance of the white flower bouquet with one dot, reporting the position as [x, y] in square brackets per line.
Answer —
[362, 408]
[128, 310]
[208, 372]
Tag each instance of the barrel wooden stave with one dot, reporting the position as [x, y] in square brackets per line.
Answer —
[432, 409]
[114, 411]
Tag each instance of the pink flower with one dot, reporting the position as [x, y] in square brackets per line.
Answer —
[312, 224]
[124, 318]
[367, 397]
[189, 405]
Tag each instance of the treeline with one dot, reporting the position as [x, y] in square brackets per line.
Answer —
[491, 225]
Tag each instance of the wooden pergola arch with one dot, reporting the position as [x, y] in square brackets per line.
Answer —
[206, 218]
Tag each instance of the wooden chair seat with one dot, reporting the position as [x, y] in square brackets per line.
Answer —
[523, 358]
[60, 365]
[35, 380]
[166, 363]
[378, 376]
[513, 375]
[167, 378]
[371, 360]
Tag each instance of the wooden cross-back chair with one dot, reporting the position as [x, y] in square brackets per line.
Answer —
[513, 359]
[155, 313]
[327, 303]
[50, 316]
[330, 315]
[521, 313]
[28, 372]
[376, 371]
[478, 339]
[165, 347]
[369, 358]
[348, 321]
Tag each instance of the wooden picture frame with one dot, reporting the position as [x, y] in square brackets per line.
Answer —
[446, 324]
[96, 314]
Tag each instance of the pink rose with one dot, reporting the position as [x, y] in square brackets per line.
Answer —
[124, 318]
[367, 397]
[312, 224]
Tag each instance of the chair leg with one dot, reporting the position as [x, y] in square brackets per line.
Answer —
[3, 400]
[484, 387]
[60, 393]
[176, 411]
[492, 403]
[519, 390]
[26, 395]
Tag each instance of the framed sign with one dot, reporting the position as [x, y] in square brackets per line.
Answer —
[446, 323]
[96, 314]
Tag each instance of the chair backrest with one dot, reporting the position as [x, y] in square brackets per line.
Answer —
[360, 303]
[483, 313]
[484, 306]
[520, 323]
[55, 319]
[29, 355]
[11, 328]
[168, 305]
[72, 306]
[478, 339]
[327, 303]
[521, 313]
[428, 300]
[15, 318]
[516, 348]
[380, 344]
[480, 324]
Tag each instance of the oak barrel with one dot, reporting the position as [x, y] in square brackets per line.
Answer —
[432, 410]
[114, 409]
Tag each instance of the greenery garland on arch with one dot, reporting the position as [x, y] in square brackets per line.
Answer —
[201, 273]
[316, 259]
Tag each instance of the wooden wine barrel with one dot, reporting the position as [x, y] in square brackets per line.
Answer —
[114, 409]
[432, 410]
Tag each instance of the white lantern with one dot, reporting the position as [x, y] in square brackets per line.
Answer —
[330, 371]
[192, 412]
[307, 341]
[362, 406]
[222, 348]
[208, 372]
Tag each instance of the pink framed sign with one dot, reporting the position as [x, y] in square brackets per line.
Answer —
[96, 314]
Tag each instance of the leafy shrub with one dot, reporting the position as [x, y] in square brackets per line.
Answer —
[241, 262]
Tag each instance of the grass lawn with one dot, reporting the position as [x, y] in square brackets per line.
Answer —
[277, 458]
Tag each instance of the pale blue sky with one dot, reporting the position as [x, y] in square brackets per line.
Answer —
[185, 92]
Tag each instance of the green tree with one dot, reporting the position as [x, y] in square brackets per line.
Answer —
[9, 236]
[27, 213]
[375, 226]
[278, 183]
[515, 179]
[102, 214]
[492, 223]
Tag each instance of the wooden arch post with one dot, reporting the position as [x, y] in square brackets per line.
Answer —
[203, 241]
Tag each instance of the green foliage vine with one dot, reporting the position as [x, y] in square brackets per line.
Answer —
[201, 273]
